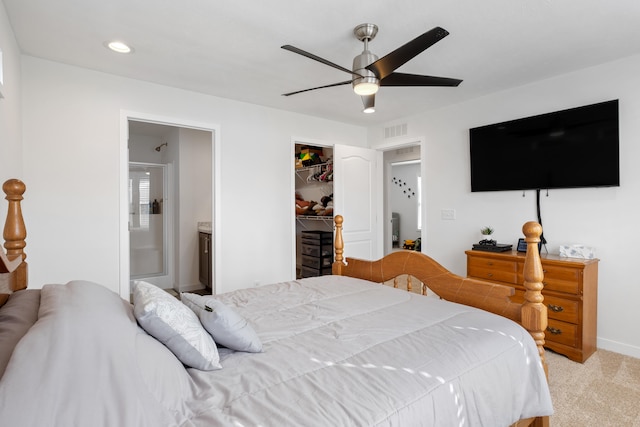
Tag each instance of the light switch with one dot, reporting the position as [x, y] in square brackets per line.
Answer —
[448, 214]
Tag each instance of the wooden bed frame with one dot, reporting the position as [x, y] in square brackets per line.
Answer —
[532, 314]
[12, 264]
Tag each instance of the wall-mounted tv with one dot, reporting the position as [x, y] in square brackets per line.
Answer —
[572, 148]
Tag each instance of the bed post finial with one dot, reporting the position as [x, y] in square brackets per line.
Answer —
[534, 312]
[15, 231]
[338, 245]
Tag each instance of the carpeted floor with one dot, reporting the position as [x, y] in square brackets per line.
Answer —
[602, 392]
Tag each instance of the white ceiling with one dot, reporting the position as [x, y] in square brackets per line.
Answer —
[231, 49]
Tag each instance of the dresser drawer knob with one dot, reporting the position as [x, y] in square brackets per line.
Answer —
[489, 263]
[556, 308]
[554, 331]
[489, 274]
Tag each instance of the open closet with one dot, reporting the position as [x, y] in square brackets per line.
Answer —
[314, 210]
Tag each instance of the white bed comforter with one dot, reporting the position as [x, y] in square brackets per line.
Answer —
[337, 352]
[341, 352]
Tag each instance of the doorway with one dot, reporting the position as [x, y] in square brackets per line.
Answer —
[179, 207]
[404, 210]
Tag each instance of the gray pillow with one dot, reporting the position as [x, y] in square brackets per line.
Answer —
[175, 325]
[226, 326]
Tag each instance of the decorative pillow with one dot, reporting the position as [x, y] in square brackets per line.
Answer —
[175, 325]
[226, 326]
[16, 317]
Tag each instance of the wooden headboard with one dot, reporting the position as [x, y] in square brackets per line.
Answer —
[13, 266]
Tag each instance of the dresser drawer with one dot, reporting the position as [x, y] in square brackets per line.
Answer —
[562, 333]
[492, 269]
[562, 309]
[561, 279]
[557, 308]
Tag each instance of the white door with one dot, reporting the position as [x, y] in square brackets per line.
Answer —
[357, 196]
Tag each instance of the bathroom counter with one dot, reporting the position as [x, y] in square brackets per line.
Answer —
[204, 227]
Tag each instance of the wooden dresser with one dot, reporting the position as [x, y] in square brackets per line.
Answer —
[570, 293]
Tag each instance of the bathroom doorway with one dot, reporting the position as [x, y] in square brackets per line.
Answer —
[190, 198]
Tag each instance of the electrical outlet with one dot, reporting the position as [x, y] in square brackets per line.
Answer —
[448, 214]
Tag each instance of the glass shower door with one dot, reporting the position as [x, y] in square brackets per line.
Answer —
[147, 221]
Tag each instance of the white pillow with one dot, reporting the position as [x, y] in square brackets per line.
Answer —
[175, 325]
[226, 326]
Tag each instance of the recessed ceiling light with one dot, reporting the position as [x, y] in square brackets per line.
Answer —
[119, 47]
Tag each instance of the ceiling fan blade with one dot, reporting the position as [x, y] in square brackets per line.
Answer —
[314, 57]
[346, 82]
[401, 79]
[392, 61]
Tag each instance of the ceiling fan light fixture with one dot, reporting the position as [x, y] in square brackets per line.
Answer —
[366, 86]
[369, 104]
[365, 81]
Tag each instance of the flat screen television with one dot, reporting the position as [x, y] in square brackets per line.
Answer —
[573, 148]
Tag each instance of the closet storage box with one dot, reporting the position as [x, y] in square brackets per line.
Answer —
[313, 249]
[317, 262]
[317, 252]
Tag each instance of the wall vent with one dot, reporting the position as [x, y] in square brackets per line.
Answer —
[405, 150]
[394, 131]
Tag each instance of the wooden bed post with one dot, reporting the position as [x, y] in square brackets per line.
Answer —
[534, 312]
[338, 244]
[15, 234]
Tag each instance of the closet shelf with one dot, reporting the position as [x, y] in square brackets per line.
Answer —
[316, 166]
[316, 217]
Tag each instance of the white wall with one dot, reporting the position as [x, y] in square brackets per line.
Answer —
[10, 104]
[71, 122]
[195, 203]
[605, 218]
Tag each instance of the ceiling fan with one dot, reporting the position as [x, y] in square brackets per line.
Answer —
[369, 72]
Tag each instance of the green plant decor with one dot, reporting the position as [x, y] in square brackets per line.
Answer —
[486, 231]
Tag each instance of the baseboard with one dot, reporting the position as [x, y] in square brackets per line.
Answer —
[618, 347]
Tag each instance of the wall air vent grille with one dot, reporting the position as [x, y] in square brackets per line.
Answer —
[394, 131]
